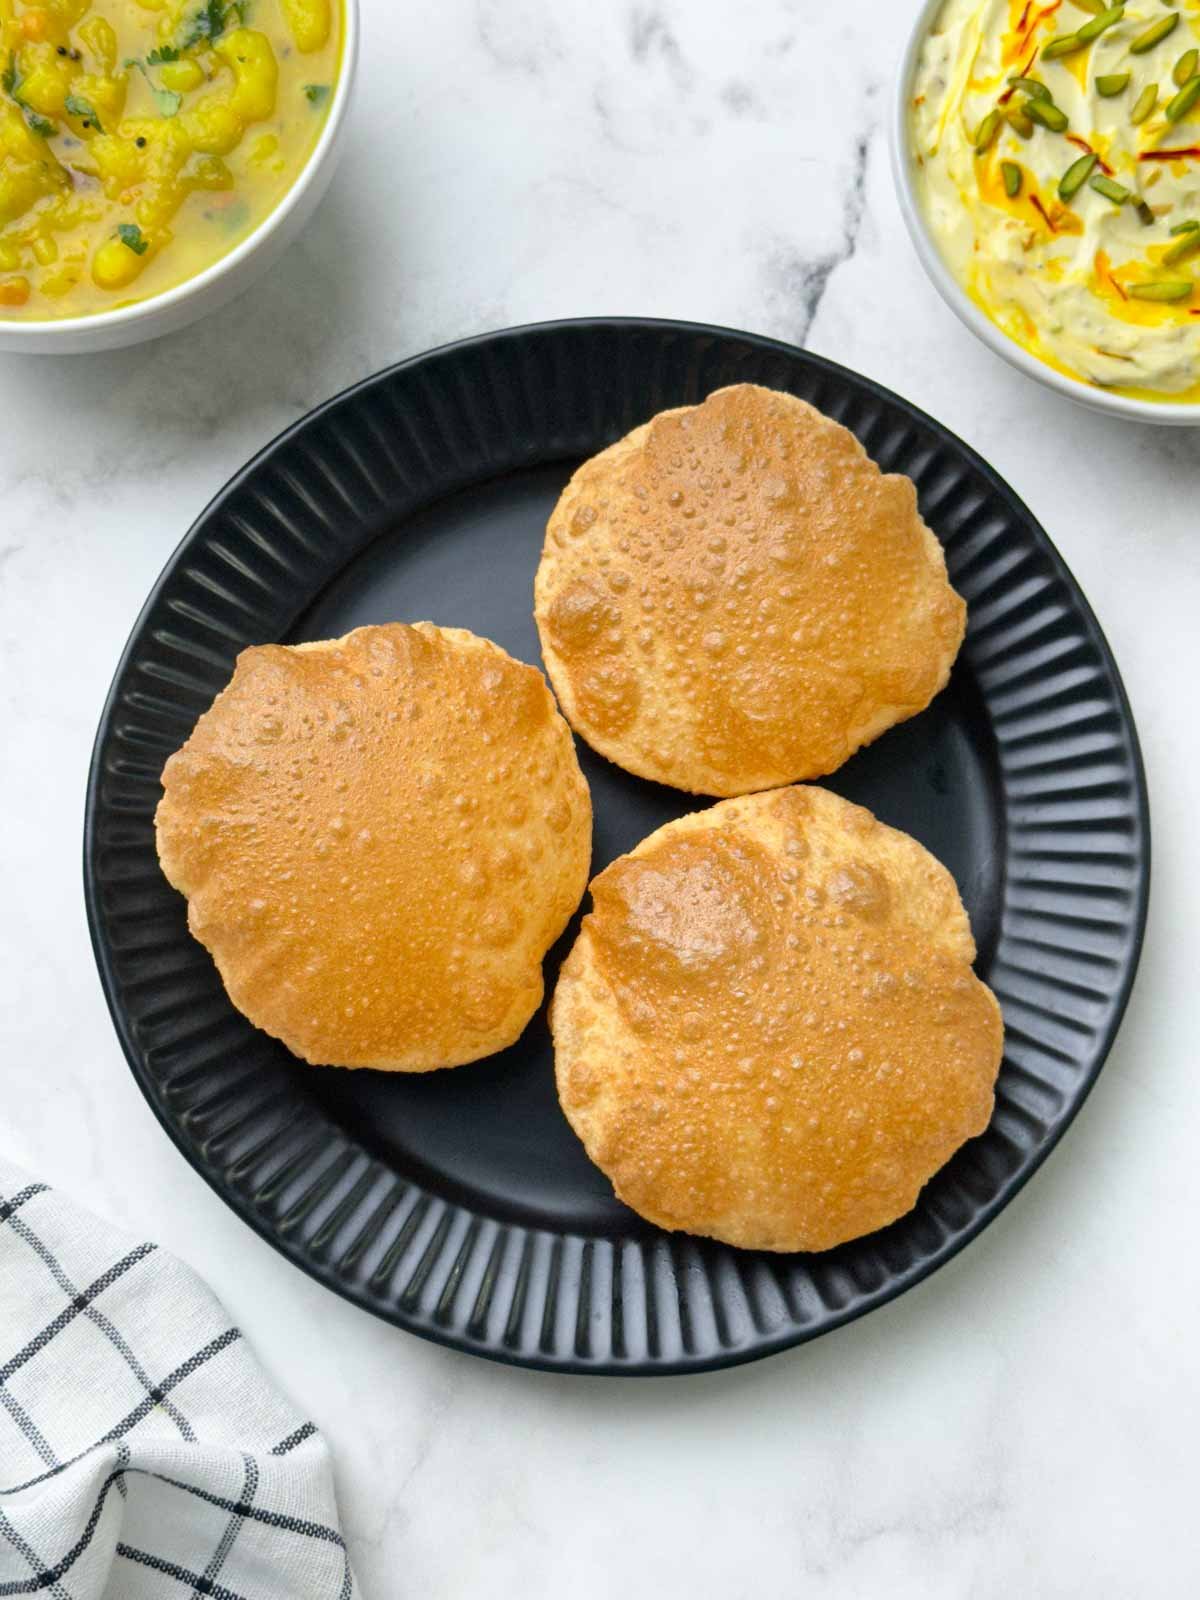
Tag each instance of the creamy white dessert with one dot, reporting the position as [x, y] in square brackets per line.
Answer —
[1057, 154]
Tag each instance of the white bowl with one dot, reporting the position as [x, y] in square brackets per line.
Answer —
[1164, 412]
[218, 284]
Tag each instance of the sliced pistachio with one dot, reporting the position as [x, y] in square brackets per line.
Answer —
[1145, 215]
[987, 131]
[1094, 6]
[1187, 244]
[1076, 175]
[1018, 122]
[1179, 105]
[1047, 113]
[1111, 84]
[1154, 34]
[1185, 227]
[1109, 188]
[1065, 45]
[1031, 87]
[1100, 24]
[1144, 104]
[1011, 173]
[1186, 66]
[1162, 289]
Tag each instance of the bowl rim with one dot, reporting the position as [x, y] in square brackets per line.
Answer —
[1163, 412]
[14, 333]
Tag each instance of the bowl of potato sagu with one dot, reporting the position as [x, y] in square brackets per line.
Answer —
[157, 155]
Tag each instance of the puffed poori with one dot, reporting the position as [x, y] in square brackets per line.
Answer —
[379, 838]
[768, 1030]
[734, 596]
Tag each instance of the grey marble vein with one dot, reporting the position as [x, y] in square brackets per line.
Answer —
[518, 38]
[800, 278]
[651, 36]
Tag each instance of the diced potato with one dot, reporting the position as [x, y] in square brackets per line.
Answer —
[208, 172]
[107, 95]
[25, 175]
[16, 137]
[181, 75]
[119, 162]
[309, 22]
[46, 78]
[160, 201]
[100, 38]
[45, 91]
[213, 127]
[115, 265]
[59, 282]
[255, 73]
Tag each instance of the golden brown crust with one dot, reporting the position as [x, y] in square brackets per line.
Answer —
[768, 1030]
[380, 837]
[734, 597]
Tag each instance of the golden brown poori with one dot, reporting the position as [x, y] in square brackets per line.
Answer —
[734, 597]
[379, 837]
[768, 1030]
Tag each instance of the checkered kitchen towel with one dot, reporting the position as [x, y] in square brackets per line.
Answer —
[143, 1454]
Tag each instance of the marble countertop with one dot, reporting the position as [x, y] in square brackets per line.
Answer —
[1023, 1423]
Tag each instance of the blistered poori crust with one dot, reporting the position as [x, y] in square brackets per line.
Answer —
[768, 1030]
[379, 837]
[734, 597]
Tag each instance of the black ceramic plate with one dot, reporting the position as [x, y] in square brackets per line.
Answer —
[460, 1205]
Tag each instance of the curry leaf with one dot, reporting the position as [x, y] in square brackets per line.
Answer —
[132, 238]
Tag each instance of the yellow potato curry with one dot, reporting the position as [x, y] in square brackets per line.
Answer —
[141, 140]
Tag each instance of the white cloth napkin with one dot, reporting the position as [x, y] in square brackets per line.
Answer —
[143, 1454]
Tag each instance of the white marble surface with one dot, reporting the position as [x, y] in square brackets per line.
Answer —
[1022, 1424]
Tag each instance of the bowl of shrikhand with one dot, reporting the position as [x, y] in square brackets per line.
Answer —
[1047, 159]
[156, 156]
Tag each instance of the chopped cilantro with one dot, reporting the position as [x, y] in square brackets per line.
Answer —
[316, 93]
[158, 57]
[167, 101]
[208, 23]
[77, 106]
[132, 238]
[42, 126]
[211, 20]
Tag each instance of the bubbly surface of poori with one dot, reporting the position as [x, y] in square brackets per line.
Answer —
[379, 837]
[734, 596]
[768, 1030]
